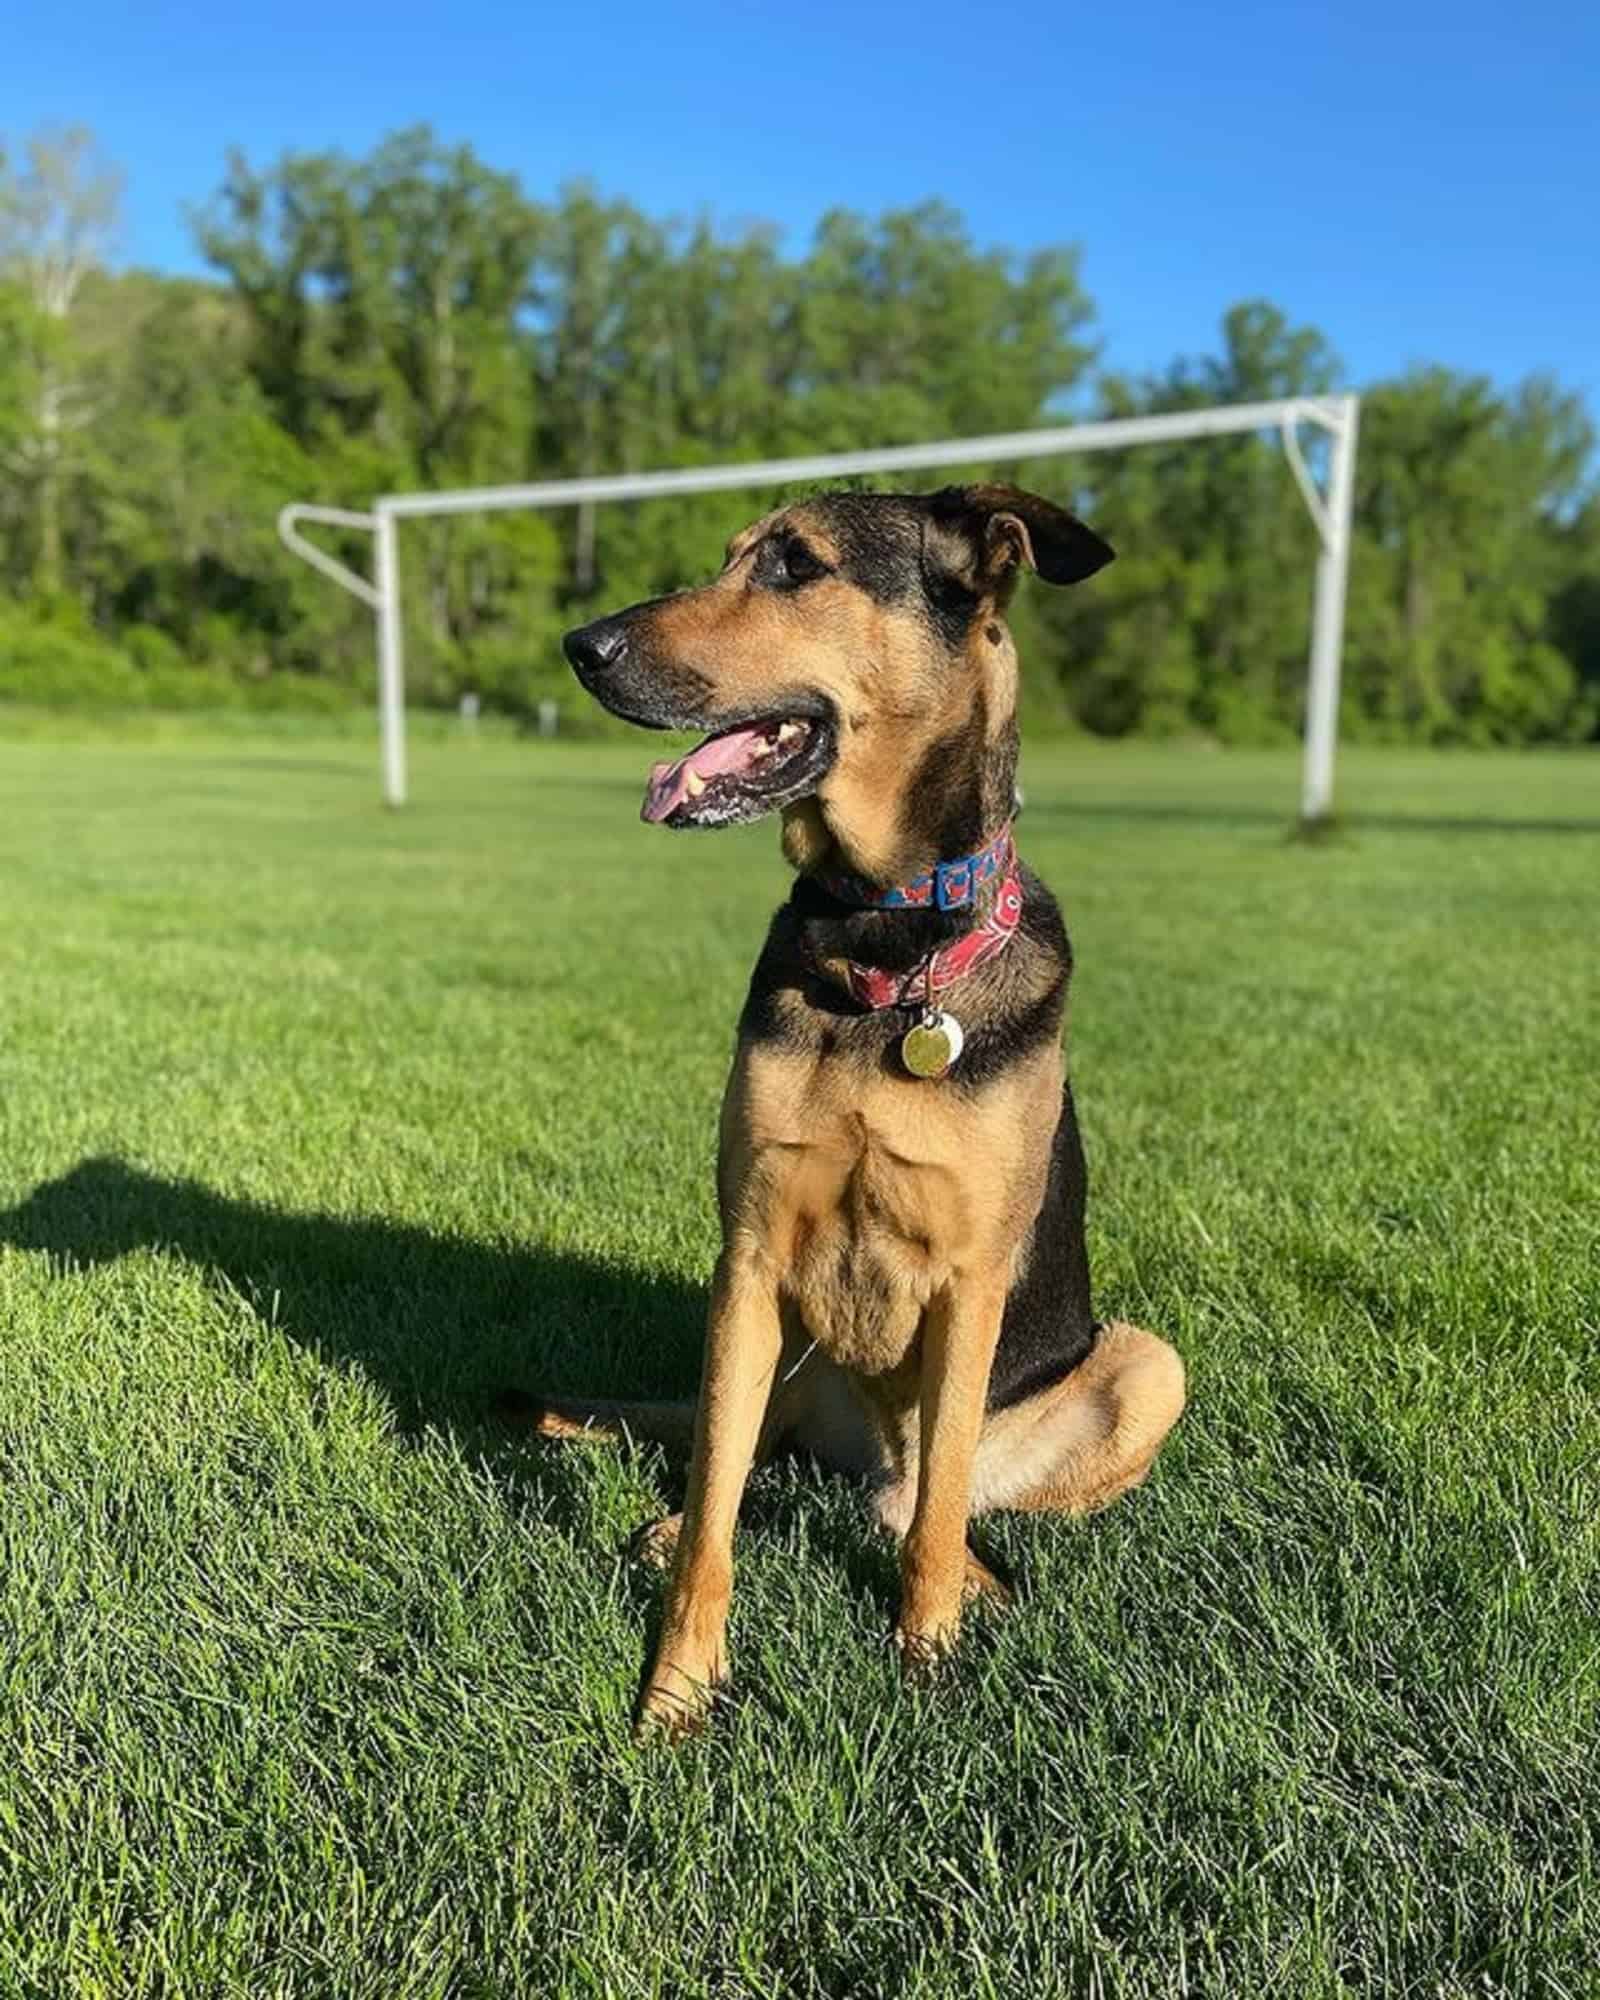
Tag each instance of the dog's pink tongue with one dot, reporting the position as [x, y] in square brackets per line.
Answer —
[669, 783]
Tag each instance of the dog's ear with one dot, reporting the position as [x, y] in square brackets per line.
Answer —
[979, 535]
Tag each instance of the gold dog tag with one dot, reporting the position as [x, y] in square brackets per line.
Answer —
[930, 1048]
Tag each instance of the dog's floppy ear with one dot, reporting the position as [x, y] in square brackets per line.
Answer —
[980, 534]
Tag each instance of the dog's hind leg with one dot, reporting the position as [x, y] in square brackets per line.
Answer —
[1077, 1444]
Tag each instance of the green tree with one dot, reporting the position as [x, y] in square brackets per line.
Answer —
[1202, 622]
[414, 318]
[1465, 500]
[58, 213]
[386, 299]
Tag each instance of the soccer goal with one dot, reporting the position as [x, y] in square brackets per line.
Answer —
[1329, 506]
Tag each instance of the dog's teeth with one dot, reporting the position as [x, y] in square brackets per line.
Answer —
[694, 784]
[789, 729]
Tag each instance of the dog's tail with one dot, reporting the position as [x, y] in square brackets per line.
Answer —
[570, 1417]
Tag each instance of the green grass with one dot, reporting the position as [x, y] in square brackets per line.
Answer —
[319, 1123]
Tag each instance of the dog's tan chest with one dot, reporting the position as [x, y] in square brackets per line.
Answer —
[867, 1196]
[869, 1238]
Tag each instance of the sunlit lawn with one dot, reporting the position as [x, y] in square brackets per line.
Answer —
[320, 1123]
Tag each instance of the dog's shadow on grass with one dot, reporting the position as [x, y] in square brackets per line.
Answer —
[440, 1323]
[443, 1326]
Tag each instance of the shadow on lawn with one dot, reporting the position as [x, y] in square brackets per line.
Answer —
[439, 1323]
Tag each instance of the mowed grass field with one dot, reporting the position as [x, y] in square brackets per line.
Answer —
[320, 1124]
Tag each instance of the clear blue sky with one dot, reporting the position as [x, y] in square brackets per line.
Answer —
[1420, 181]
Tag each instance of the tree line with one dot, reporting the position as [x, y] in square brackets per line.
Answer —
[415, 318]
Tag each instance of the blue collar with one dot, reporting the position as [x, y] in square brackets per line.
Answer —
[949, 885]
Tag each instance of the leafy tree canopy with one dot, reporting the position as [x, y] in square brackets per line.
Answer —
[416, 318]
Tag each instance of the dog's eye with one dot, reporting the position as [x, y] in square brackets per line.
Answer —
[787, 565]
[801, 564]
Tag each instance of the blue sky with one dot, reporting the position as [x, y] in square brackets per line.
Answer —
[1420, 181]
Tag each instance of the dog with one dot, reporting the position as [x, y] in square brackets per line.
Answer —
[903, 1285]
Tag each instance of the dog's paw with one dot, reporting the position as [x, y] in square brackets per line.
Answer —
[676, 1703]
[924, 1649]
[983, 1589]
[656, 1543]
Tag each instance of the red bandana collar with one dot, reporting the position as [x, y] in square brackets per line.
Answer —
[872, 987]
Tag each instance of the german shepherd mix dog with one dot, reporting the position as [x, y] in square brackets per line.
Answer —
[903, 1288]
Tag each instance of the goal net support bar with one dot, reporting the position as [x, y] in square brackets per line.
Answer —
[1329, 507]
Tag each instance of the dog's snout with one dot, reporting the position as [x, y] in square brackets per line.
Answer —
[594, 648]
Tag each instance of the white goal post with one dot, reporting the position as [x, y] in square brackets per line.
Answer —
[1330, 512]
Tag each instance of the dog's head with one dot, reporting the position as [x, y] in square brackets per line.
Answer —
[852, 665]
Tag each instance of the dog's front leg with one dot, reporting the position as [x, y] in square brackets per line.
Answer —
[743, 1345]
[959, 1337]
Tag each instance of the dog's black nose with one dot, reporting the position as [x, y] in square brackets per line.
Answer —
[593, 648]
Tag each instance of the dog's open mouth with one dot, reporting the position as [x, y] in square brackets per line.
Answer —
[740, 773]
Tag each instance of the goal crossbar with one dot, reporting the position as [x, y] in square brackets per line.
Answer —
[1330, 511]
